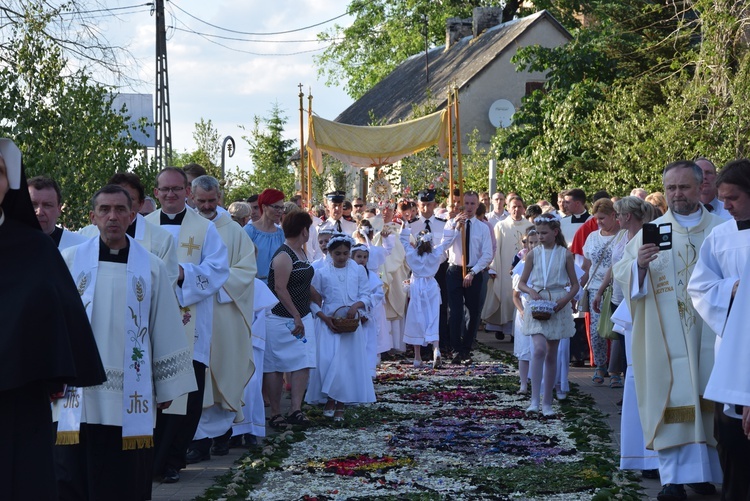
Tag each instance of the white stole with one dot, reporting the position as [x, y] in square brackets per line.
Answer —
[138, 403]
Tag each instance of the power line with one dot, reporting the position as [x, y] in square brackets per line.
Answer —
[245, 51]
[112, 9]
[257, 34]
[243, 39]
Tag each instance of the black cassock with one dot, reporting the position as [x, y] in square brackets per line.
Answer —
[45, 342]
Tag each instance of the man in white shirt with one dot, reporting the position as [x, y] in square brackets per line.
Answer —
[498, 209]
[709, 192]
[720, 289]
[464, 276]
[47, 202]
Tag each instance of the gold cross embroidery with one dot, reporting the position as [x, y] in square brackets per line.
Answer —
[190, 246]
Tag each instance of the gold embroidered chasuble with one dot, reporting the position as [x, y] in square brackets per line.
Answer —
[672, 349]
[231, 365]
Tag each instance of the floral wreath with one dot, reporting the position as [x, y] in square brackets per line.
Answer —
[547, 218]
[340, 237]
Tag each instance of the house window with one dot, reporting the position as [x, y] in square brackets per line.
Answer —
[532, 86]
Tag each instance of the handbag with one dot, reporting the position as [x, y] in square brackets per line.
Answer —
[605, 323]
[584, 304]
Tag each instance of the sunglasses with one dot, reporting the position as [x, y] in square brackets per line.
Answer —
[358, 205]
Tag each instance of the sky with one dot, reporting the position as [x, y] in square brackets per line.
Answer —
[223, 85]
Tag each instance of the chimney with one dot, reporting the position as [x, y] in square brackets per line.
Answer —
[484, 18]
[456, 29]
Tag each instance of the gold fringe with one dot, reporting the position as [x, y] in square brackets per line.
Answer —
[137, 442]
[686, 413]
[67, 438]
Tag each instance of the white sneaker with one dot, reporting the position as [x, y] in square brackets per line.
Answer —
[561, 395]
[436, 359]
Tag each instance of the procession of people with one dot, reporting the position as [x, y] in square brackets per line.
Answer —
[162, 339]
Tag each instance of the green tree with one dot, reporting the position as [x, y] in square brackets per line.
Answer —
[208, 149]
[62, 120]
[270, 154]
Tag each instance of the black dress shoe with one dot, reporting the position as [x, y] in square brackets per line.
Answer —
[196, 456]
[235, 442]
[499, 335]
[703, 488]
[650, 474]
[220, 448]
[458, 359]
[171, 476]
[672, 492]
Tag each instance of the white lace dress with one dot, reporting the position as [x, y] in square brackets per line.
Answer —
[560, 325]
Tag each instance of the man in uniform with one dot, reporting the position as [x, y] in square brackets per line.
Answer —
[427, 221]
[47, 202]
[672, 348]
[231, 365]
[203, 269]
[335, 219]
[105, 433]
[720, 289]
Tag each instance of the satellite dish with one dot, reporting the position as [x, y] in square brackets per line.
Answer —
[501, 113]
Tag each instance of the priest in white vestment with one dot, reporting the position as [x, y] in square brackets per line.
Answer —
[46, 199]
[672, 348]
[105, 433]
[156, 240]
[720, 290]
[499, 311]
[203, 269]
[231, 365]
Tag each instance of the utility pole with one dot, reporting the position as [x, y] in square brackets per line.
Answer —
[163, 124]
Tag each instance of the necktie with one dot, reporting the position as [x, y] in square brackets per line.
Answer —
[338, 225]
[709, 207]
[467, 250]
[427, 226]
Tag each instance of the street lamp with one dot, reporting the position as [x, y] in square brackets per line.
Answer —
[231, 147]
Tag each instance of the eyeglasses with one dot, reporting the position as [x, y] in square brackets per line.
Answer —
[173, 189]
[276, 207]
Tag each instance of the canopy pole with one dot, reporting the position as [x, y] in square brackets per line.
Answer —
[450, 148]
[301, 141]
[450, 176]
[309, 157]
[458, 145]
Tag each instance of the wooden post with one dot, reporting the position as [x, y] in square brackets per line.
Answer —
[450, 147]
[458, 144]
[301, 141]
[309, 159]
